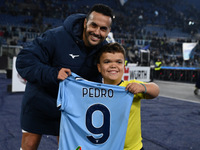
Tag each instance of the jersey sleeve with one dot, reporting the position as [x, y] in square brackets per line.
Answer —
[63, 94]
[61, 99]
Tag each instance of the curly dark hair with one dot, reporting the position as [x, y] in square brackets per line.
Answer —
[101, 8]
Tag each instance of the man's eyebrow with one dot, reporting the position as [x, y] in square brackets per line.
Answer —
[104, 27]
[101, 27]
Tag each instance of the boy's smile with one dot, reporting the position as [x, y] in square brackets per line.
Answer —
[111, 67]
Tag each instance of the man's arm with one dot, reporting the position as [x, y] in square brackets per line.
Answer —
[34, 62]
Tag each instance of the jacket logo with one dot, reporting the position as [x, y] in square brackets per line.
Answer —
[73, 56]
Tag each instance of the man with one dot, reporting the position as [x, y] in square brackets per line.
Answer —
[157, 68]
[197, 84]
[50, 58]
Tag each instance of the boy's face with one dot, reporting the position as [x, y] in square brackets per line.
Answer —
[111, 67]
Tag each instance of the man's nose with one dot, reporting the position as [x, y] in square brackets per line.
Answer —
[97, 31]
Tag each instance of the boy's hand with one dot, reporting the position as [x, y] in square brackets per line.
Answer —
[135, 88]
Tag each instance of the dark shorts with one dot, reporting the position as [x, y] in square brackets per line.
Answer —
[39, 113]
[40, 125]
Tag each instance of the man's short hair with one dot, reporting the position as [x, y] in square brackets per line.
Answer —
[101, 8]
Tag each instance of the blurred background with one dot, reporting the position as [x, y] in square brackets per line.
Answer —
[159, 27]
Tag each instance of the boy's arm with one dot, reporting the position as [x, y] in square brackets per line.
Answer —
[151, 90]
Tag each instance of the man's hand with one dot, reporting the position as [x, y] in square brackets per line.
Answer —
[63, 73]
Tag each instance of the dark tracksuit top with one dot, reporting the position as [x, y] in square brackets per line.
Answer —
[39, 64]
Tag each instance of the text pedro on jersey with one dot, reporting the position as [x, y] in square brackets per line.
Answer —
[96, 92]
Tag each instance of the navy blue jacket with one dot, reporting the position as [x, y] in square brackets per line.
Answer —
[40, 62]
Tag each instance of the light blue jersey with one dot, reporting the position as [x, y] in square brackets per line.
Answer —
[94, 116]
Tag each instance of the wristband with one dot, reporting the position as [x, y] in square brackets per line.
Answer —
[145, 88]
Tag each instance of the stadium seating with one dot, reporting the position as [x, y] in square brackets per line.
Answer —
[161, 24]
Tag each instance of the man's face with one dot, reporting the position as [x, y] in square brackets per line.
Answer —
[111, 67]
[96, 29]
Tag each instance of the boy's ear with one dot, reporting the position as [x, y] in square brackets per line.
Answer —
[99, 68]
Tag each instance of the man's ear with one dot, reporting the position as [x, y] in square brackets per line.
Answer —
[110, 29]
[85, 22]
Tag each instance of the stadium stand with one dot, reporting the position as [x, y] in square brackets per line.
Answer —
[163, 25]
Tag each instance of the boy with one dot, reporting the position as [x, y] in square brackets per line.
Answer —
[110, 63]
